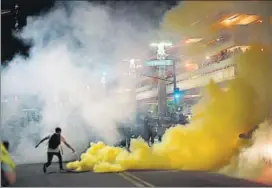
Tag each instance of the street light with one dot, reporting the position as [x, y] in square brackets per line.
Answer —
[132, 65]
[162, 55]
[166, 44]
[161, 49]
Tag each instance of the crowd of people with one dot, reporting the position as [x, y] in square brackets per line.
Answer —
[223, 55]
[153, 127]
[156, 126]
[150, 127]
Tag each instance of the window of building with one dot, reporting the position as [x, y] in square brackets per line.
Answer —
[239, 19]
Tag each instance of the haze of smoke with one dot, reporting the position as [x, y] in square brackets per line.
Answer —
[249, 163]
[211, 140]
[254, 156]
[72, 46]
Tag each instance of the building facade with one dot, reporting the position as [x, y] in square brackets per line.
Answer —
[208, 53]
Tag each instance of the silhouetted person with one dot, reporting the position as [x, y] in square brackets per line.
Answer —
[148, 128]
[160, 131]
[54, 148]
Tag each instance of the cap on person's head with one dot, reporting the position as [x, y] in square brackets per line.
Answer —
[58, 130]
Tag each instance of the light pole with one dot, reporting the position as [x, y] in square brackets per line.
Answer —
[162, 95]
[132, 66]
[132, 73]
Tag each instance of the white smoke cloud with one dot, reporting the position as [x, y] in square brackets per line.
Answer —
[250, 161]
[61, 79]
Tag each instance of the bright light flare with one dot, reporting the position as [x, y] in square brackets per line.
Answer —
[230, 20]
[166, 44]
[177, 95]
[193, 40]
[240, 19]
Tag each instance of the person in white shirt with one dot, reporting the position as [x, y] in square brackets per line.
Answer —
[54, 148]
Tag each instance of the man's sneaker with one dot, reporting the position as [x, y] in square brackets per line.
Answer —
[61, 170]
[44, 168]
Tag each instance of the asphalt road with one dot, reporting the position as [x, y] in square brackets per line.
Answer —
[33, 176]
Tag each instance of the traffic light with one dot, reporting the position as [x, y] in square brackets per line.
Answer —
[177, 93]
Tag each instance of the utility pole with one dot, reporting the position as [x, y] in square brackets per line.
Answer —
[162, 94]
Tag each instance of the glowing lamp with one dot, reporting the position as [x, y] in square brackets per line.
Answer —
[177, 93]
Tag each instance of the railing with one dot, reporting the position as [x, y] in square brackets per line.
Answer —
[218, 72]
[144, 88]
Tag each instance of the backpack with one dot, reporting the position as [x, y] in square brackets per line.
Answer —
[54, 141]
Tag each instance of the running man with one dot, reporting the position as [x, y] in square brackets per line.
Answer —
[54, 148]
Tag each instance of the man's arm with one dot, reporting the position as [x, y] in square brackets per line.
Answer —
[46, 138]
[66, 144]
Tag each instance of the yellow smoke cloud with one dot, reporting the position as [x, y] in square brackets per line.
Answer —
[211, 139]
[182, 19]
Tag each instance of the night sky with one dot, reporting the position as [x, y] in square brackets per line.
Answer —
[10, 45]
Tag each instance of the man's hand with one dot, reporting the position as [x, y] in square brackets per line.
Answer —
[73, 150]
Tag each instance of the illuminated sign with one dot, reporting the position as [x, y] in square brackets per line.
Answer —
[158, 62]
